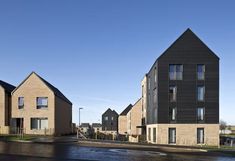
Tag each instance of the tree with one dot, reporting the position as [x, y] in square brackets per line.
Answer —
[223, 125]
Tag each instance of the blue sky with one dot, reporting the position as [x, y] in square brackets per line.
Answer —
[97, 51]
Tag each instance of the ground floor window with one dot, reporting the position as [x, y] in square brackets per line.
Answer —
[149, 134]
[39, 123]
[200, 135]
[154, 135]
[172, 135]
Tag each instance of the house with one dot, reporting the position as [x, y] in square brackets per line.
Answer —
[97, 127]
[5, 106]
[40, 108]
[134, 118]
[85, 128]
[183, 95]
[122, 120]
[110, 121]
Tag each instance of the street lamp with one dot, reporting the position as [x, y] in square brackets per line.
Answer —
[80, 108]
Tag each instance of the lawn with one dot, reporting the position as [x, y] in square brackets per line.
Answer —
[17, 138]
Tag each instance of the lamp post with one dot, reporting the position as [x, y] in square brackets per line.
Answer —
[80, 108]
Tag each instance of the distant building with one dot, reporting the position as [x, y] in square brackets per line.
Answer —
[110, 121]
[5, 106]
[40, 108]
[97, 127]
[85, 128]
[122, 120]
[134, 117]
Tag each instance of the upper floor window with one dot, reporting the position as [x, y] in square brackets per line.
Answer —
[172, 93]
[155, 95]
[149, 83]
[200, 72]
[42, 102]
[20, 102]
[175, 72]
[200, 113]
[200, 93]
[173, 114]
[106, 118]
[155, 74]
[112, 118]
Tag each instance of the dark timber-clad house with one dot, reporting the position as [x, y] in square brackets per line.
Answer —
[110, 121]
[182, 94]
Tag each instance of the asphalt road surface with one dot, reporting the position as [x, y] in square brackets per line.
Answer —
[13, 151]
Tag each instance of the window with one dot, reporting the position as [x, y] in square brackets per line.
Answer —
[155, 95]
[154, 135]
[173, 114]
[39, 123]
[149, 82]
[200, 93]
[200, 72]
[20, 102]
[155, 74]
[42, 102]
[106, 118]
[200, 135]
[172, 93]
[175, 72]
[111, 118]
[200, 113]
[149, 134]
[172, 135]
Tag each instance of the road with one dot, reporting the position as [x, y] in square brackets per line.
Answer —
[73, 151]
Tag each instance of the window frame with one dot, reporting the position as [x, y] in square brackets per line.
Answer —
[198, 134]
[175, 74]
[204, 93]
[20, 106]
[41, 106]
[39, 125]
[171, 114]
[172, 100]
[169, 136]
[203, 71]
[201, 120]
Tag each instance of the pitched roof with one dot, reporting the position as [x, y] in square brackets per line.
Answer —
[53, 88]
[96, 125]
[113, 111]
[8, 87]
[127, 109]
[188, 35]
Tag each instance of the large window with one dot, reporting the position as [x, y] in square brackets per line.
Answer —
[172, 93]
[154, 134]
[175, 72]
[200, 93]
[173, 114]
[200, 135]
[200, 72]
[200, 113]
[106, 118]
[172, 135]
[20, 102]
[42, 102]
[39, 123]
